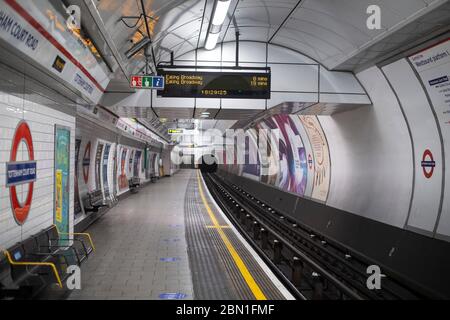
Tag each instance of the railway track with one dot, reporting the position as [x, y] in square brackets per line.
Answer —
[309, 264]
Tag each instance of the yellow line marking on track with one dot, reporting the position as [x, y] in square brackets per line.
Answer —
[256, 290]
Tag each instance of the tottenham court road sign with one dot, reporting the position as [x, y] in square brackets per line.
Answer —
[147, 82]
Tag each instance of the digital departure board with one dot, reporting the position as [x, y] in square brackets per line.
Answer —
[226, 85]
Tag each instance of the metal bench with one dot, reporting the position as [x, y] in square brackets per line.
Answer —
[134, 183]
[40, 261]
[94, 201]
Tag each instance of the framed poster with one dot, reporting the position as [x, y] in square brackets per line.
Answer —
[62, 182]
[105, 170]
[130, 163]
[98, 162]
[123, 182]
[115, 168]
[76, 202]
[137, 162]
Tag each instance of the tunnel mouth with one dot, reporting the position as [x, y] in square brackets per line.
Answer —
[208, 164]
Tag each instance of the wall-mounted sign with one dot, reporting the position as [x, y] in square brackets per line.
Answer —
[428, 164]
[21, 172]
[147, 82]
[59, 64]
[175, 131]
[231, 85]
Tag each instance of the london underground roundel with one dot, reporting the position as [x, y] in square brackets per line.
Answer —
[20, 173]
[428, 164]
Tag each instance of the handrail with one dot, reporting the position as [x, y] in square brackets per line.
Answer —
[77, 234]
[47, 264]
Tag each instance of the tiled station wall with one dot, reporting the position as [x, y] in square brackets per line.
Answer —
[22, 99]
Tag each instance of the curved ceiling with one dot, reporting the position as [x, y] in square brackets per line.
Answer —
[332, 32]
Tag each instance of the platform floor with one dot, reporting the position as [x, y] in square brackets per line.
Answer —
[170, 241]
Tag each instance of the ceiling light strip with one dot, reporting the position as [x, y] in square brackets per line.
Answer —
[220, 13]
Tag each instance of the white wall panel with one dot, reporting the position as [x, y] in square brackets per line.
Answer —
[339, 82]
[371, 156]
[296, 78]
[427, 191]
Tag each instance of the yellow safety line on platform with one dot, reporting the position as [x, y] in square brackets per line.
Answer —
[218, 227]
[259, 295]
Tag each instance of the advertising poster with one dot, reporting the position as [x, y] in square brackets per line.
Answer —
[123, 182]
[144, 167]
[322, 168]
[251, 168]
[292, 156]
[149, 161]
[285, 164]
[154, 165]
[76, 202]
[130, 162]
[105, 170]
[137, 163]
[270, 160]
[115, 168]
[433, 68]
[62, 171]
[98, 163]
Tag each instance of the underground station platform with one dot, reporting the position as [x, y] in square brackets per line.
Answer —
[224, 158]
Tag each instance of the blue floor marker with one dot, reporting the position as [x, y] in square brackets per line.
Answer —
[170, 259]
[172, 296]
[171, 240]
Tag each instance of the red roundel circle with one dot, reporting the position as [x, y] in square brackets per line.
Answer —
[21, 211]
[428, 164]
